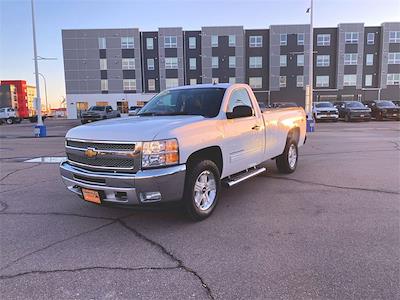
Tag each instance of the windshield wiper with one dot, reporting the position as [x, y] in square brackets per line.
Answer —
[147, 114]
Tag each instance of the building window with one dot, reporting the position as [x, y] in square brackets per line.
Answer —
[151, 84]
[368, 80]
[103, 64]
[128, 64]
[283, 61]
[101, 103]
[170, 42]
[127, 42]
[192, 42]
[255, 82]
[192, 63]
[214, 62]
[283, 39]
[104, 85]
[394, 58]
[255, 62]
[149, 43]
[323, 60]
[282, 81]
[351, 37]
[299, 80]
[122, 107]
[150, 64]
[322, 81]
[255, 41]
[102, 43]
[171, 82]
[214, 41]
[349, 79]
[323, 39]
[370, 38]
[232, 40]
[369, 59]
[232, 61]
[232, 80]
[129, 84]
[300, 60]
[215, 80]
[171, 63]
[393, 79]
[193, 81]
[300, 39]
[394, 36]
[350, 58]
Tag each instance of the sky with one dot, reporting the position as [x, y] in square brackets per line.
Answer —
[16, 46]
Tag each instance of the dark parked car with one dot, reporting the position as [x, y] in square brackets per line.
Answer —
[283, 104]
[96, 113]
[353, 110]
[383, 109]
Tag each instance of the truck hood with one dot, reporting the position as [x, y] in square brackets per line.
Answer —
[131, 129]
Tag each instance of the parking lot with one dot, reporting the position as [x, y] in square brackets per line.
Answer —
[330, 230]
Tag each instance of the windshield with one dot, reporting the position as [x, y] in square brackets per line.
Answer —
[355, 104]
[385, 104]
[204, 102]
[97, 108]
[324, 104]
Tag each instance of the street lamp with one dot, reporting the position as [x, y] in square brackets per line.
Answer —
[309, 93]
[40, 129]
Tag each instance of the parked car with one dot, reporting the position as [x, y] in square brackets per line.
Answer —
[396, 102]
[325, 111]
[133, 110]
[184, 144]
[353, 110]
[283, 104]
[383, 109]
[96, 113]
[8, 115]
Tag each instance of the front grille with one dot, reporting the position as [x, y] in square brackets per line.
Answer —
[103, 161]
[101, 146]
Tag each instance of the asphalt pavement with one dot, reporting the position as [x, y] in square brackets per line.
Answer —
[328, 231]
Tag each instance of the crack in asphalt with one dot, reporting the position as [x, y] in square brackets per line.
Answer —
[163, 250]
[17, 170]
[170, 255]
[335, 186]
[55, 243]
[3, 277]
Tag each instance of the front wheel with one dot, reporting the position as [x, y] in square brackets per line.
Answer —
[287, 161]
[202, 188]
[347, 118]
[9, 121]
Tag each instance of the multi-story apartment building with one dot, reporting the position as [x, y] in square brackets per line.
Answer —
[20, 103]
[124, 67]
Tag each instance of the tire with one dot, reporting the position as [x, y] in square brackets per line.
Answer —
[287, 161]
[104, 117]
[347, 118]
[201, 199]
[18, 120]
[9, 121]
[83, 122]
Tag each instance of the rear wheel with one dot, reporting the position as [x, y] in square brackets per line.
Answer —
[347, 118]
[202, 188]
[9, 121]
[287, 161]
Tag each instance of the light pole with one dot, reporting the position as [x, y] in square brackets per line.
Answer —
[45, 89]
[40, 129]
[309, 99]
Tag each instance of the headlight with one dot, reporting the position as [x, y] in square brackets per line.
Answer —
[160, 153]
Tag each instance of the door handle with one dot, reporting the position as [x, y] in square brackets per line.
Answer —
[255, 127]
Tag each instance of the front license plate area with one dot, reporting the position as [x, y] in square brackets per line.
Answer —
[362, 116]
[91, 196]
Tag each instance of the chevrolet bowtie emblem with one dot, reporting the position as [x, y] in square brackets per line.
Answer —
[91, 153]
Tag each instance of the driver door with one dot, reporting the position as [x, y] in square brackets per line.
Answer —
[243, 136]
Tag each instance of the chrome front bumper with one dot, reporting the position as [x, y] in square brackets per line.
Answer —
[125, 188]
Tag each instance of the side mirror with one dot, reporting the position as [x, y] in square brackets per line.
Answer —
[241, 111]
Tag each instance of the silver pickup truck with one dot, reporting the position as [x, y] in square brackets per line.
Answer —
[182, 146]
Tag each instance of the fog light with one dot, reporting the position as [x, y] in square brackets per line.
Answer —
[150, 197]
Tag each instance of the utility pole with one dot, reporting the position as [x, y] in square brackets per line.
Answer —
[45, 89]
[40, 129]
[309, 91]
